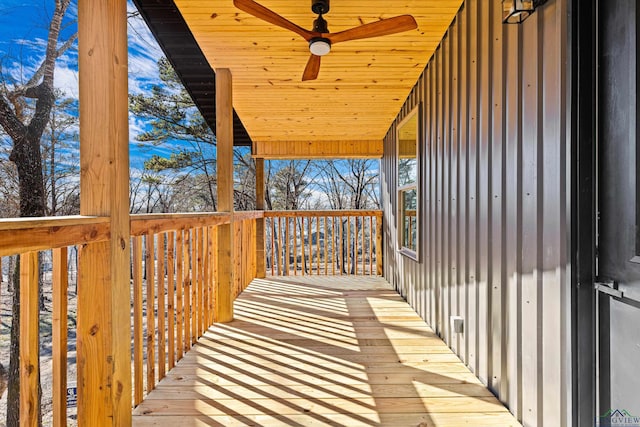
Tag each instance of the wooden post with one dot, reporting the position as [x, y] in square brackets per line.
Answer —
[260, 249]
[379, 245]
[104, 315]
[59, 332]
[223, 308]
[29, 344]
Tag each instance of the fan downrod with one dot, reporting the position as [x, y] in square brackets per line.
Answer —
[320, 7]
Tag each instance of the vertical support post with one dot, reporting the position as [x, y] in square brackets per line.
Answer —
[224, 135]
[260, 241]
[104, 317]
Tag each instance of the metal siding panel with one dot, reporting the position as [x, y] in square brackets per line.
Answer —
[497, 363]
[484, 192]
[430, 247]
[552, 168]
[445, 196]
[513, 195]
[494, 197]
[437, 190]
[454, 285]
[422, 91]
[472, 316]
[463, 180]
[531, 278]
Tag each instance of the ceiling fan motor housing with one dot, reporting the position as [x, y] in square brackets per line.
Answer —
[320, 6]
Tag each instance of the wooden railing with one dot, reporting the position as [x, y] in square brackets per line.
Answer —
[173, 277]
[324, 242]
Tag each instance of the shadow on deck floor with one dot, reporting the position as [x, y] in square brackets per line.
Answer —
[312, 351]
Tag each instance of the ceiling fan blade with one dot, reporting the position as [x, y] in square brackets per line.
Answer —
[259, 11]
[312, 69]
[384, 27]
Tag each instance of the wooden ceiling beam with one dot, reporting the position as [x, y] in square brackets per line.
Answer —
[349, 149]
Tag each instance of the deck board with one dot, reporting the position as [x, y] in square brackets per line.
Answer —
[338, 351]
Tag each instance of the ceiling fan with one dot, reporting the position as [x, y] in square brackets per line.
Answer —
[320, 39]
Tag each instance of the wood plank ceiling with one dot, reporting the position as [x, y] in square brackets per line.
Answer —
[361, 86]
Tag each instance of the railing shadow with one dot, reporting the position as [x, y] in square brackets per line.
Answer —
[289, 359]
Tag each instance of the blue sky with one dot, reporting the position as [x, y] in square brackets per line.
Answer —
[23, 33]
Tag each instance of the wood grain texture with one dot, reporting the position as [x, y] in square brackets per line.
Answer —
[149, 262]
[138, 334]
[320, 350]
[104, 339]
[171, 285]
[59, 338]
[260, 230]
[274, 150]
[20, 235]
[268, 62]
[223, 308]
[29, 340]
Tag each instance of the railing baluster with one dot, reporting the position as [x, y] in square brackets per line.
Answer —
[214, 272]
[200, 282]
[326, 236]
[318, 244]
[303, 259]
[350, 250]
[161, 307]
[333, 245]
[364, 270]
[379, 245]
[206, 278]
[187, 290]
[177, 271]
[286, 245]
[277, 226]
[179, 293]
[341, 246]
[273, 244]
[59, 331]
[171, 281]
[29, 343]
[138, 334]
[349, 247]
[295, 246]
[355, 245]
[195, 243]
[151, 356]
[370, 251]
[309, 241]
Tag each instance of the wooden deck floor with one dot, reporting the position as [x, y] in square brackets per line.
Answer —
[321, 351]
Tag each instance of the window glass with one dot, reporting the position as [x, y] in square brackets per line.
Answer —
[408, 137]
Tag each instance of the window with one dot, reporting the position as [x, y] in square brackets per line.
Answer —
[408, 135]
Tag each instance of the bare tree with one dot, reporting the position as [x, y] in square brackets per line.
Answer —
[350, 184]
[62, 165]
[25, 110]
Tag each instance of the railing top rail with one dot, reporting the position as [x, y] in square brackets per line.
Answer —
[19, 235]
[321, 213]
[244, 215]
[157, 223]
[31, 223]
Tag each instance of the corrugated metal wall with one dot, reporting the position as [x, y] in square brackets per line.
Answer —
[494, 204]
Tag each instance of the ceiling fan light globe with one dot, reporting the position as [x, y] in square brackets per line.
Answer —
[319, 46]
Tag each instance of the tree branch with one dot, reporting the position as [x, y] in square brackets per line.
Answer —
[33, 81]
[9, 121]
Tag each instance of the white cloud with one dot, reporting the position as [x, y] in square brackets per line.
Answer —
[144, 53]
[66, 80]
